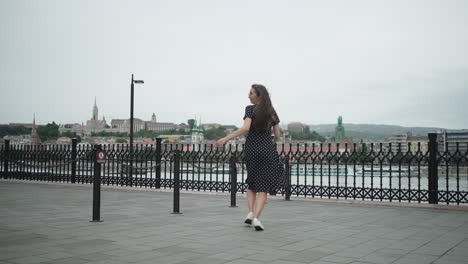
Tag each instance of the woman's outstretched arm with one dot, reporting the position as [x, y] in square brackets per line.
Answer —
[239, 132]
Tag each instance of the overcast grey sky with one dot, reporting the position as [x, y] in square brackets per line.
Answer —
[386, 62]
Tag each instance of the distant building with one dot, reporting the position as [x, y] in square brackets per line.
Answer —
[152, 126]
[79, 129]
[448, 141]
[418, 143]
[20, 140]
[184, 127]
[95, 125]
[117, 123]
[123, 125]
[406, 142]
[296, 127]
[64, 140]
[346, 144]
[211, 125]
[399, 142]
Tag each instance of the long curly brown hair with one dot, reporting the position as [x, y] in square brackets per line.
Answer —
[264, 111]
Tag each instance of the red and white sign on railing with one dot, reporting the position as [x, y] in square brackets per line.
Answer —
[101, 156]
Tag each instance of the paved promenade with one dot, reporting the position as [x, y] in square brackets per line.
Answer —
[50, 223]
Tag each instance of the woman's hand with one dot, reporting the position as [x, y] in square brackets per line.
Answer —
[220, 142]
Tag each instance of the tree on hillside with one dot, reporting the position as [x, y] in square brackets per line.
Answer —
[307, 135]
[71, 135]
[214, 133]
[191, 123]
[48, 132]
[14, 131]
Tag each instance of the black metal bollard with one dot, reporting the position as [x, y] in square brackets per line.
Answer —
[433, 173]
[176, 182]
[232, 163]
[6, 157]
[97, 187]
[158, 163]
[73, 165]
[288, 179]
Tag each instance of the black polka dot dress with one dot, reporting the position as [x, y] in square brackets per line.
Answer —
[265, 172]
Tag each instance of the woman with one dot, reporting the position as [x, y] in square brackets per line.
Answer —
[264, 170]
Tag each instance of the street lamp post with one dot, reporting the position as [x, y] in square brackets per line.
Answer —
[131, 107]
[132, 85]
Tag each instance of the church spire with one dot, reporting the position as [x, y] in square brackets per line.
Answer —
[340, 130]
[35, 139]
[95, 110]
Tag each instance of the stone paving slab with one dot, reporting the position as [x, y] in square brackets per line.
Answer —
[50, 223]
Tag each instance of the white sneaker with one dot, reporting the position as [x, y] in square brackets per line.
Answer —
[258, 225]
[249, 218]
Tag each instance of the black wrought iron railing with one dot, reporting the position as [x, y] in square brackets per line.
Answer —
[356, 171]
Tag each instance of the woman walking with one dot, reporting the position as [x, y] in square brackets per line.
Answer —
[264, 170]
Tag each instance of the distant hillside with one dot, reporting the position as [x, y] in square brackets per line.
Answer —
[371, 131]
